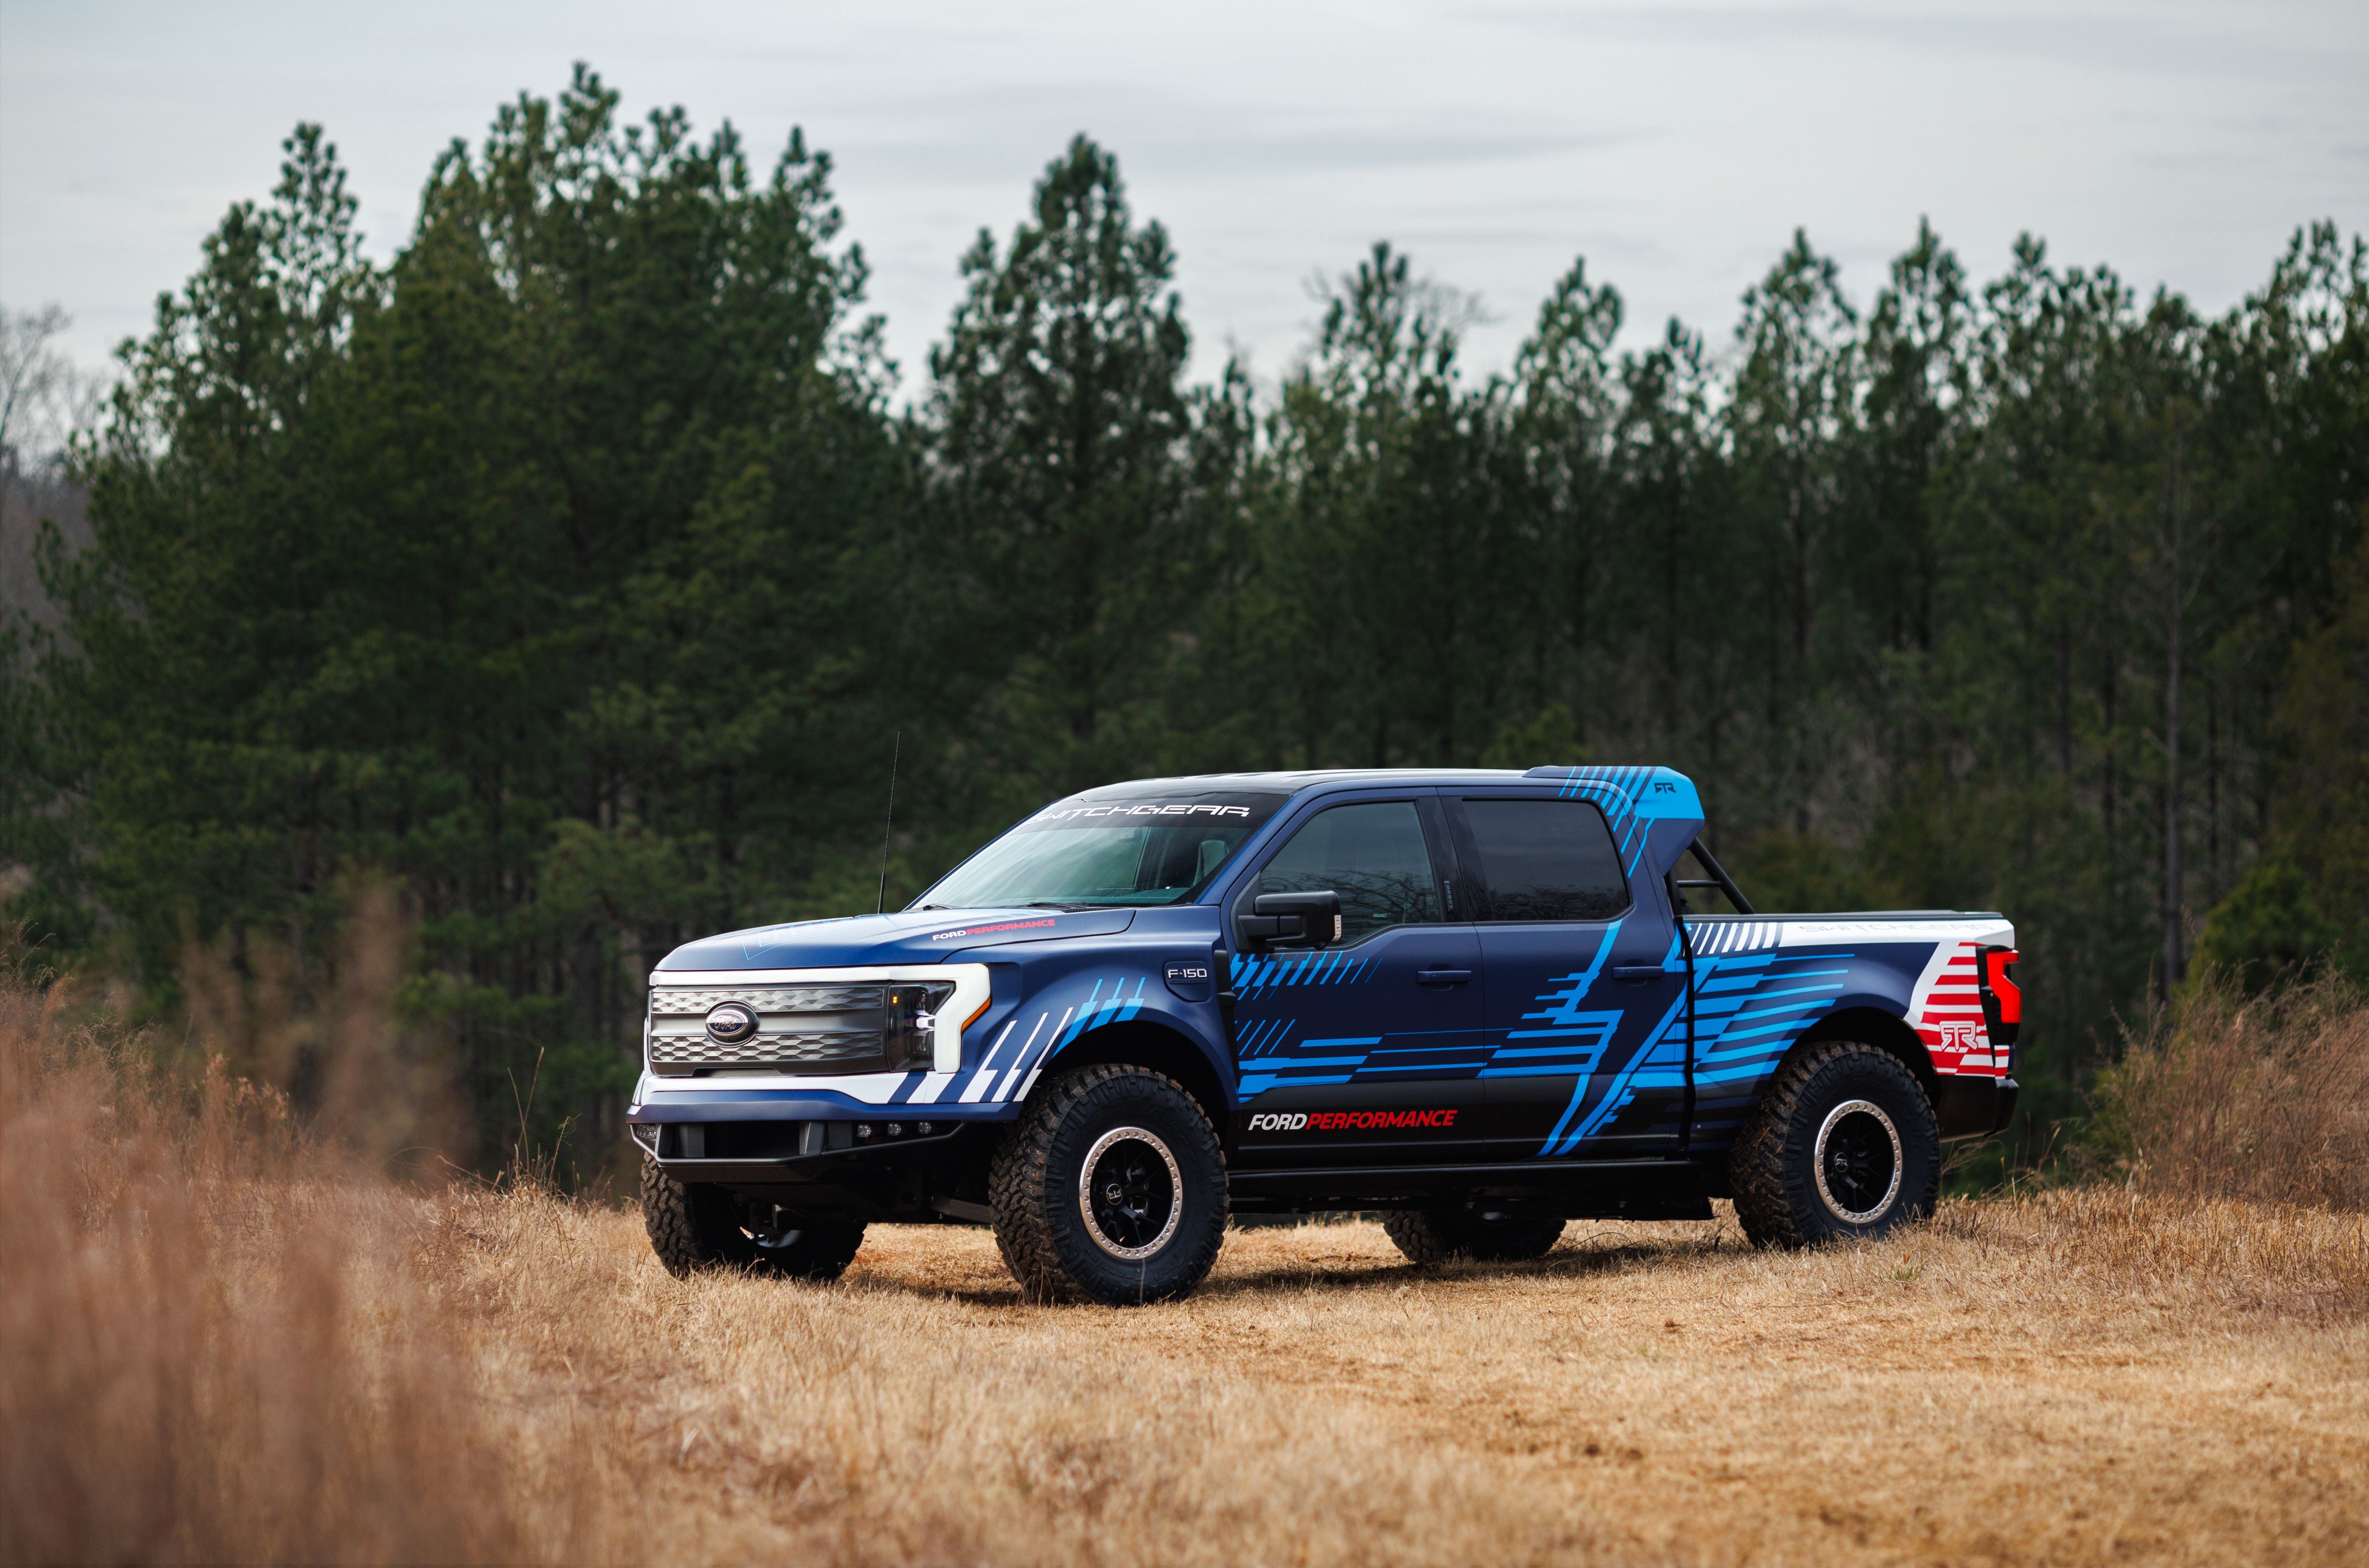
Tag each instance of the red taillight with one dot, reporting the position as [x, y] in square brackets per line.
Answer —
[1996, 963]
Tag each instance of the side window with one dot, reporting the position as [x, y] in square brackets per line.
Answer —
[1546, 860]
[1373, 855]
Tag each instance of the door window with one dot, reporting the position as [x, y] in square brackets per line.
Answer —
[1373, 855]
[1546, 860]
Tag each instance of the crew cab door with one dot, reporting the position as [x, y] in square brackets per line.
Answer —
[1584, 988]
[1366, 1050]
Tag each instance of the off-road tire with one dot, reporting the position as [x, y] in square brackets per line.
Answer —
[1035, 1187]
[1437, 1235]
[1775, 1164]
[694, 1225]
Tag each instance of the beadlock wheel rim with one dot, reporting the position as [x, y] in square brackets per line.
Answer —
[1130, 1193]
[1858, 1157]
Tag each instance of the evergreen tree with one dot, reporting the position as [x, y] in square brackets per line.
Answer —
[1794, 405]
[1061, 431]
[527, 572]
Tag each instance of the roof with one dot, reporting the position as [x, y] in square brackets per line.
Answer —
[1283, 781]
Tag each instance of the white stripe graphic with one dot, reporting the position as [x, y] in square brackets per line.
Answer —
[978, 1084]
[1004, 1092]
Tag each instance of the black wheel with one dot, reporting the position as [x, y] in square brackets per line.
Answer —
[1844, 1144]
[694, 1225]
[1111, 1187]
[1435, 1235]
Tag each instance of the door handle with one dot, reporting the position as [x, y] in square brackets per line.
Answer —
[1442, 977]
[1634, 973]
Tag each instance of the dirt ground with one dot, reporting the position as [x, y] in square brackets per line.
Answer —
[2070, 1379]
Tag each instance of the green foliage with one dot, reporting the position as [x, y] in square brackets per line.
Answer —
[531, 570]
[1793, 873]
[574, 572]
[2269, 928]
[2322, 805]
[2309, 899]
[1060, 423]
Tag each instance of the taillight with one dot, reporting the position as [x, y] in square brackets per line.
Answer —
[2002, 998]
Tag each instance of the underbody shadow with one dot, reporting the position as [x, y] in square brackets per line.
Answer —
[1582, 1254]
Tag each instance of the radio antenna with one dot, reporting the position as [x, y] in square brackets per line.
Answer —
[880, 903]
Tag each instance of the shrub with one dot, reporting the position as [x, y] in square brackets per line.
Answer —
[2229, 1096]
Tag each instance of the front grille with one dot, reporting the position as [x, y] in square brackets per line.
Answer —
[690, 1003]
[784, 1052]
[821, 1028]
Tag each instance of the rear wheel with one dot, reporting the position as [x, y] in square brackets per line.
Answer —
[696, 1226]
[1485, 1235]
[1844, 1144]
[1111, 1187]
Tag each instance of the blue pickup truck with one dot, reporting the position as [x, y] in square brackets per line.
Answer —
[1480, 1002]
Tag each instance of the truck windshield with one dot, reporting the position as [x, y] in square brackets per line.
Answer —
[1089, 852]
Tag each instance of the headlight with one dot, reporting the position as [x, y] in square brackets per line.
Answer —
[910, 1017]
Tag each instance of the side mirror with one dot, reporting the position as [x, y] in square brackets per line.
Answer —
[1291, 920]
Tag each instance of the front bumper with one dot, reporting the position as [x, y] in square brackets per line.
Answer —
[742, 1153]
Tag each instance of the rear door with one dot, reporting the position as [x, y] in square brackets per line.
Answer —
[1366, 1050]
[1584, 987]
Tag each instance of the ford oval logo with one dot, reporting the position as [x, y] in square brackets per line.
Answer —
[730, 1022]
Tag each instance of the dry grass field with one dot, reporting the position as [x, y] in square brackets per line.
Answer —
[221, 1341]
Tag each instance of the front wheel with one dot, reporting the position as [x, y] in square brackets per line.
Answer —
[1844, 1144]
[694, 1225]
[1111, 1187]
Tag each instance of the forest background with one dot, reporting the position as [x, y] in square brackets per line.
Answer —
[573, 578]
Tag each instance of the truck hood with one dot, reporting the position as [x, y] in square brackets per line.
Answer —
[910, 936]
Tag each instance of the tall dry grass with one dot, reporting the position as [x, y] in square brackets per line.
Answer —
[2261, 1098]
[216, 1343]
[224, 1337]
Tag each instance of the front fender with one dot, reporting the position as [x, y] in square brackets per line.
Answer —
[1094, 997]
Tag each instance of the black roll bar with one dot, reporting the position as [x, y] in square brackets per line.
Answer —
[1719, 879]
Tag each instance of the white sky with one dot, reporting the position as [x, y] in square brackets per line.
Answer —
[1675, 146]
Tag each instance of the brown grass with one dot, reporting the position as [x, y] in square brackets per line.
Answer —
[2231, 1096]
[221, 1343]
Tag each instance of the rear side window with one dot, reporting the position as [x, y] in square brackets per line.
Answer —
[1373, 855]
[1545, 860]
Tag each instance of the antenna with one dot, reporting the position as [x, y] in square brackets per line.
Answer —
[880, 903]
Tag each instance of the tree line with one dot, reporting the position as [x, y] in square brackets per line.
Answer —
[577, 572]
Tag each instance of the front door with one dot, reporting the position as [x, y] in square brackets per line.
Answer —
[1366, 1050]
[1585, 991]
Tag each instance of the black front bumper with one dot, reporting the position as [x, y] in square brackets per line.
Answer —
[787, 1150]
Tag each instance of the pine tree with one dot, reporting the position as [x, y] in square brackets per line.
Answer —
[1060, 433]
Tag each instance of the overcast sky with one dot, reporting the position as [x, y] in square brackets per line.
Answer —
[1675, 146]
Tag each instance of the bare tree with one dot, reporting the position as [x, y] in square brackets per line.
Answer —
[44, 397]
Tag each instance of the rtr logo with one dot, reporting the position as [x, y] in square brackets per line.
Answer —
[1962, 1037]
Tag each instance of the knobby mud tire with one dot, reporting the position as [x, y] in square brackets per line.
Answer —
[1438, 1236]
[1032, 1189]
[694, 1227]
[1773, 1166]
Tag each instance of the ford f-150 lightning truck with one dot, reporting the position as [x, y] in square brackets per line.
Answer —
[1476, 1001]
